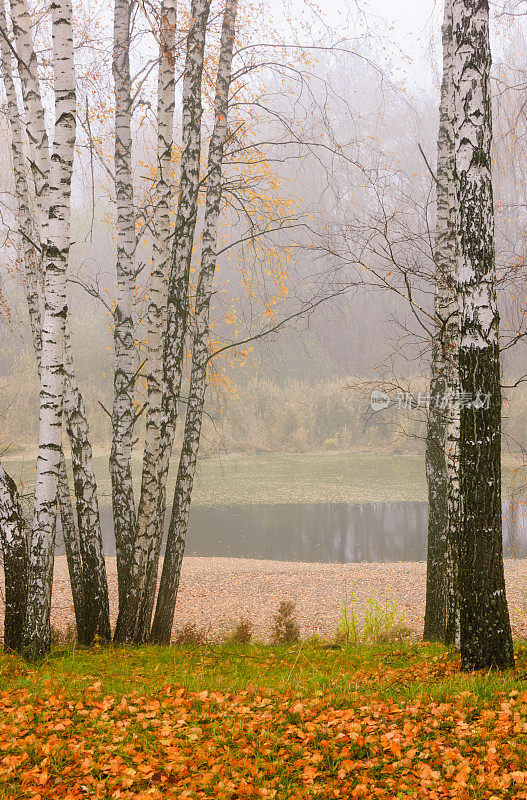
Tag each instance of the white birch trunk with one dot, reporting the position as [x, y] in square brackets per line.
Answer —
[125, 353]
[36, 130]
[443, 452]
[166, 601]
[29, 235]
[72, 549]
[147, 521]
[84, 549]
[187, 210]
[95, 584]
[449, 313]
[486, 639]
[178, 286]
[31, 259]
[37, 632]
[13, 542]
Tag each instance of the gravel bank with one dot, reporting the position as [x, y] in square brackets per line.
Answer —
[215, 592]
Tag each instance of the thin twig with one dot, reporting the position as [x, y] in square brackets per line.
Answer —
[430, 170]
[104, 408]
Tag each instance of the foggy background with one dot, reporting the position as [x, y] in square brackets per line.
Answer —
[308, 385]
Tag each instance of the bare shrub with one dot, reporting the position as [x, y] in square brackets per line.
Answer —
[190, 634]
[398, 633]
[286, 629]
[242, 633]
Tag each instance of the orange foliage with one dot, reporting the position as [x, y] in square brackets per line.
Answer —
[261, 744]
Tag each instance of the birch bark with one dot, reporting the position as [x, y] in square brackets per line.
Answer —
[128, 627]
[73, 550]
[187, 210]
[486, 639]
[36, 130]
[442, 434]
[40, 579]
[13, 541]
[125, 353]
[178, 285]
[166, 601]
[28, 234]
[450, 322]
[93, 567]
[87, 572]
[31, 286]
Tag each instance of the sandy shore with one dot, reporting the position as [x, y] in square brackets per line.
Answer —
[215, 592]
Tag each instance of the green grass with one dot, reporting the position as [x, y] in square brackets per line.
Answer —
[259, 721]
[399, 671]
[324, 477]
[269, 478]
[240, 479]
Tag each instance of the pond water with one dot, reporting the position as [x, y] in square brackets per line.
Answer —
[326, 532]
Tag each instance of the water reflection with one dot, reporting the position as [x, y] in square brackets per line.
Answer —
[328, 532]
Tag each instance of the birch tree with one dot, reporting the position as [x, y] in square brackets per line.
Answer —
[41, 555]
[166, 601]
[83, 545]
[125, 353]
[13, 541]
[31, 257]
[95, 583]
[147, 513]
[177, 307]
[32, 269]
[443, 419]
[486, 639]
[27, 65]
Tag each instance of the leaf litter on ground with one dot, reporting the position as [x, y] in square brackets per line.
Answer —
[256, 721]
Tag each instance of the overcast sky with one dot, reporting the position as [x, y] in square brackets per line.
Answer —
[415, 27]
[410, 28]
[411, 18]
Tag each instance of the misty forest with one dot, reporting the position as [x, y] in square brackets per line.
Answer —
[263, 417]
